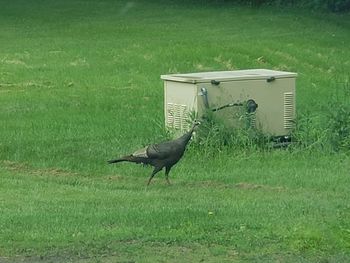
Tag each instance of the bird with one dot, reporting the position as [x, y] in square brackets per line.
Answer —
[162, 155]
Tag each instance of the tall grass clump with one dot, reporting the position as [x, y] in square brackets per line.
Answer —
[338, 114]
[329, 128]
[214, 135]
[309, 133]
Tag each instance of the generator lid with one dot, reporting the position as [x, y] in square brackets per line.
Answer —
[248, 74]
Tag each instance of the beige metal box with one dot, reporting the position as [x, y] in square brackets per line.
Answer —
[267, 95]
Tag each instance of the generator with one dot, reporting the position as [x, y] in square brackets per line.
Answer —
[260, 98]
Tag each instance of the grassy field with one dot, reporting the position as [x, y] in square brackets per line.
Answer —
[80, 84]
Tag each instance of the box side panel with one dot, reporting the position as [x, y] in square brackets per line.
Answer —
[276, 103]
[180, 100]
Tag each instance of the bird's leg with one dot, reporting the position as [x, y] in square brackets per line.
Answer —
[156, 170]
[167, 170]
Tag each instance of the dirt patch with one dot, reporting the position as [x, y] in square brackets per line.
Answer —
[249, 186]
[14, 166]
[242, 185]
[115, 177]
[208, 184]
[22, 167]
[136, 251]
[15, 62]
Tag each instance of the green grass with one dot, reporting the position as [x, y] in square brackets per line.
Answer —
[80, 84]
[282, 212]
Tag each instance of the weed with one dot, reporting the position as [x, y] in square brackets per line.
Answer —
[329, 128]
[214, 134]
[309, 132]
[338, 118]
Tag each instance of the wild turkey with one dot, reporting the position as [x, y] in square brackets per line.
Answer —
[164, 154]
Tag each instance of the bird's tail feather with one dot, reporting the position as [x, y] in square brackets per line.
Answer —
[122, 159]
[114, 161]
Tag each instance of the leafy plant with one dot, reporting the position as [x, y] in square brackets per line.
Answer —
[309, 132]
[215, 134]
[329, 128]
[338, 118]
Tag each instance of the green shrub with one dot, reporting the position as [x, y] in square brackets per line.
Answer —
[338, 118]
[214, 135]
[310, 132]
[331, 5]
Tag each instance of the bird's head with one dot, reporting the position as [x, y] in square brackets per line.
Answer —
[195, 124]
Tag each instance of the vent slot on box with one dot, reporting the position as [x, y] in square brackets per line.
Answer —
[288, 110]
[177, 116]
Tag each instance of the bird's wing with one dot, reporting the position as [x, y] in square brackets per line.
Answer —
[141, 153]
[162, 150]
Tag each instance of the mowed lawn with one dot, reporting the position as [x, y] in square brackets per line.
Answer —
[80, 84]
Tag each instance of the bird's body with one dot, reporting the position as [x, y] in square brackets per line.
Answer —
[161, 155]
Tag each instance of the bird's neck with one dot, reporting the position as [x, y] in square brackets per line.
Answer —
[186, 137]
